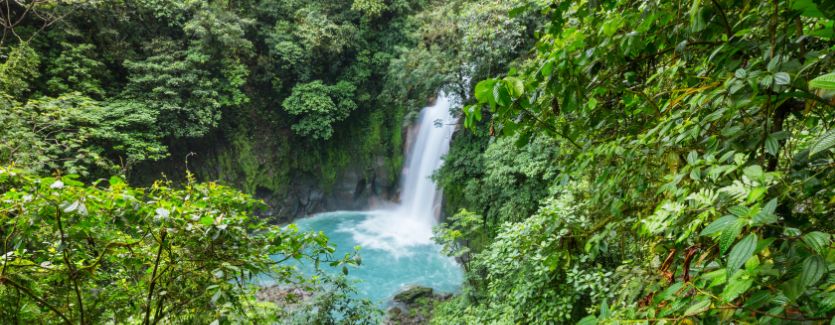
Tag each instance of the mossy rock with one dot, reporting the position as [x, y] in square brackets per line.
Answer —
[410, 295]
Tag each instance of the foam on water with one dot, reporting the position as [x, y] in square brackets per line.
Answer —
[382, 273]
[384, 230]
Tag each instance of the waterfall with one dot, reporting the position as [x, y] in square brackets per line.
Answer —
[419, 191]
[410, 224]
[397, 247]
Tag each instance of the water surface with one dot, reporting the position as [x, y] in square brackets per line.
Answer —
[388, 266]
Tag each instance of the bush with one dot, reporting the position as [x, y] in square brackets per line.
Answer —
[89, 254]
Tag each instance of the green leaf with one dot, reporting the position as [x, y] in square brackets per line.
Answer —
[737, 284]
[771, 145]
[758, 299]
[215, 297]
[825, 142]
[715, 278]
[770, 207]
[517, 88]
[697, 21]
[700, 306]
[807, 8]
[741, 252]
[753, 171]
[792, 288]
[826, 82]
[817, 241]
[588, 320]
[547, 68]
[814, 268]
[766, 215]
[484, 90]
[671, 291]
[692, 157]
[501, 95]
[115, 180]
[518, 10]
[762, 244]
[207, 221]
[728, 236]
[739, 211]
[604, 309]
[782, 78]
[718, 225]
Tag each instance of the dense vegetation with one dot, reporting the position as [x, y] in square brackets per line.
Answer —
[651, 161]
[268, 94]
[112, 253]
[619, 161]
[264, 92]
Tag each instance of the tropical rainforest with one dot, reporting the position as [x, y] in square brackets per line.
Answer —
[614, 161]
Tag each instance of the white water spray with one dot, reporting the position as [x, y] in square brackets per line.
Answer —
[434, 135]
[410, 224]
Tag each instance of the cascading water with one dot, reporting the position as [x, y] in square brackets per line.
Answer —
[397, 246]
[411, 222]
[435, 132]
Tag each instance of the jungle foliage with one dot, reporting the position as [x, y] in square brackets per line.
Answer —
[651, 162]
[305, 82]
[620, 161]
[265, 92]
[108, 252]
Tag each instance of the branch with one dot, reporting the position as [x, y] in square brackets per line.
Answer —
[728, 30]
[5, 249]
[70, 266]
[34, 297]
[647, 98]
[154, 278]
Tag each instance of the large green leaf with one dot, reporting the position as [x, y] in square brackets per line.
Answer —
[501, 94]
[766, 215]
[516, 86]
[588, 320]
[737, 284]
[826, 141]
[484, 90]
[741, 252]
[772, 146]
[718, 225]
[700, 306]
[817, 241]
[792, 288]
[826, 82]
[728, 236]
[814, 268]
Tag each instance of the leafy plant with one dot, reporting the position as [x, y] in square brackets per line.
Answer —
[692, 147]
[319, 106]
[89, 254]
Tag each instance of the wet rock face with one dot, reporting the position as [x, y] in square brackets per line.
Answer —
[356, 189]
